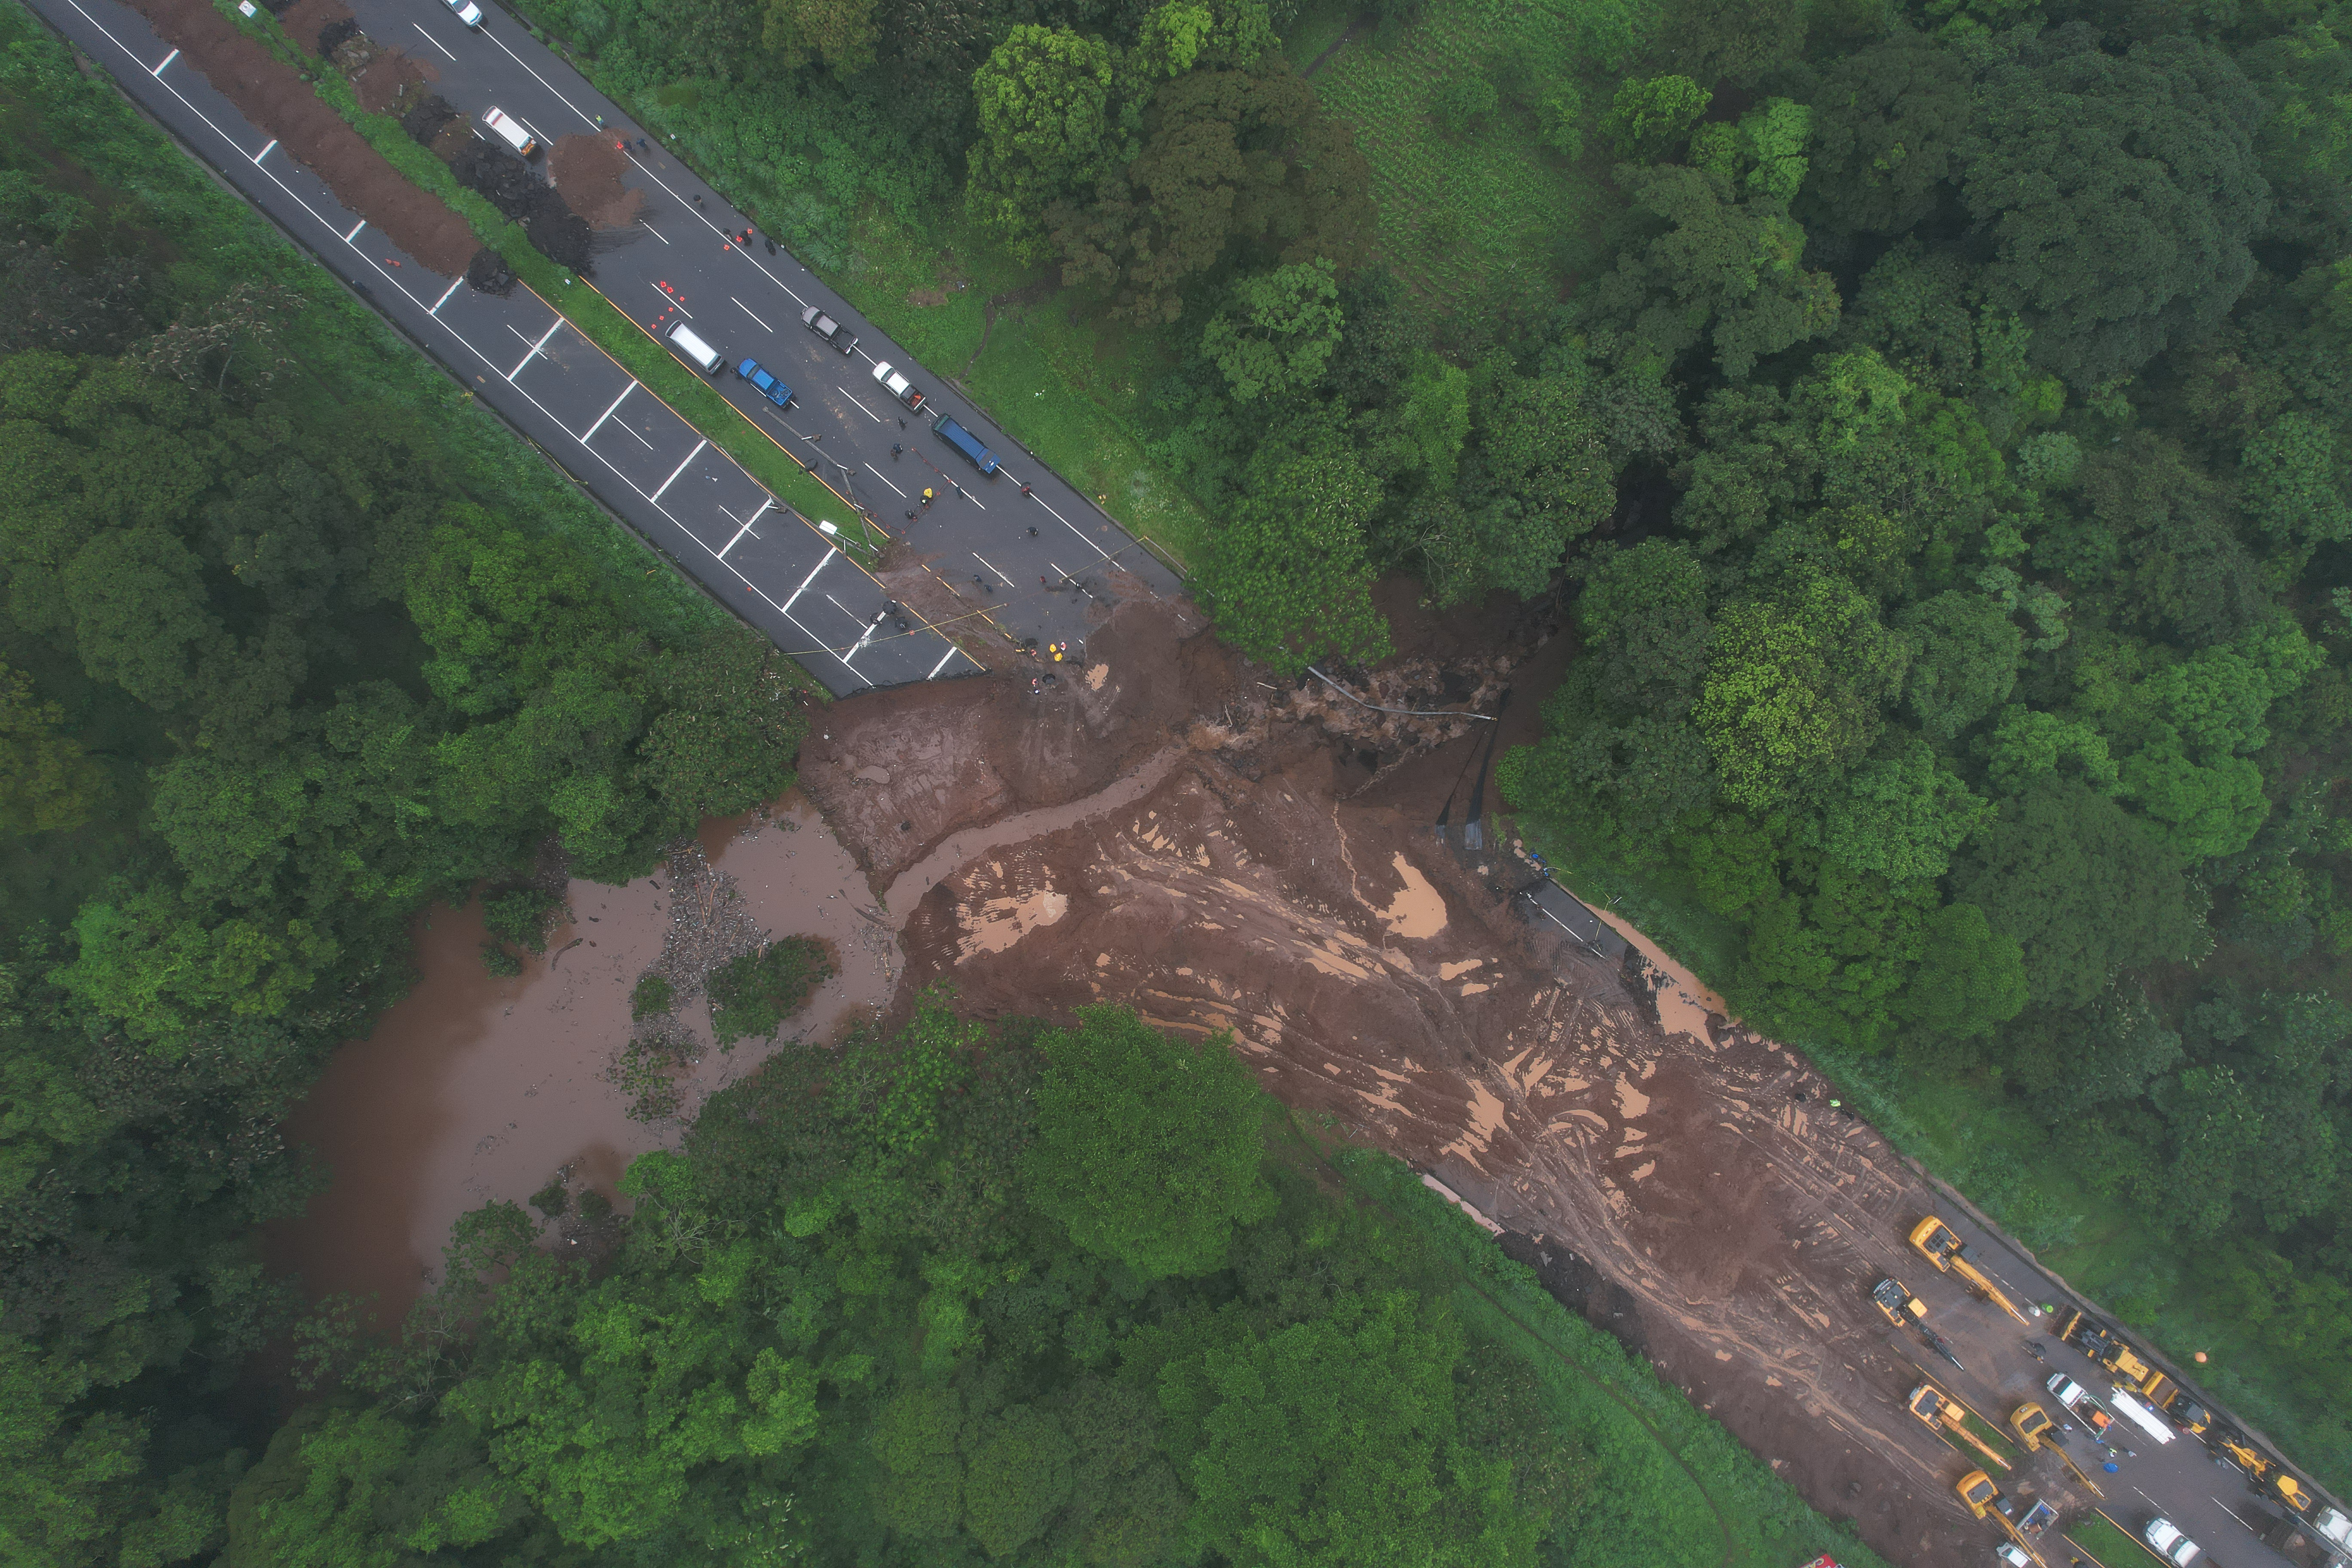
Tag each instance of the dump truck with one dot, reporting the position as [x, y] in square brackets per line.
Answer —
[1942, 1412]
[1941, 1245]
[2033, 1426]
[1906, 1311]
[2299, 1540]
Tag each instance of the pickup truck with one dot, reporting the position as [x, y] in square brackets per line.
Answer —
[898, 386]
[830, 330]
[2077, 1399]
[766, 385]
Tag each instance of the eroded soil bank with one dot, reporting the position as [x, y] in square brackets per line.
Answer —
[1178, 832]
[476, 1088]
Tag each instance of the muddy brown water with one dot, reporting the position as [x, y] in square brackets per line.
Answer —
[476, 1088]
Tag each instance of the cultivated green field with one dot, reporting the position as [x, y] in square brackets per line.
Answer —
[1493, 213]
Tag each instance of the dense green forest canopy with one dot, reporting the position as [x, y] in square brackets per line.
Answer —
[1963, 389]
[943, 1347]
[292, 641]
[1944, 428]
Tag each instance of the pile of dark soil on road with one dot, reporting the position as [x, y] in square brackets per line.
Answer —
[490, 273]
[587, 170]
[561, 234]
[273, 95]
[383, 78]
[425, 115]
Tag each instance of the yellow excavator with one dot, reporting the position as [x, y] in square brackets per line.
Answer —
[1984, 1501]
[1906, 1311]
[1942, 1247]
[2269, 1478]
[1942, 1412]
[2033, 1425]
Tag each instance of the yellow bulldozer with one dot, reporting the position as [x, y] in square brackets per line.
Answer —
[2034, 1428]
[2110, 1349]
[1942, 1247]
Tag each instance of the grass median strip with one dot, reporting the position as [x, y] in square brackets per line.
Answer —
[603, 322]
[2107, 1543]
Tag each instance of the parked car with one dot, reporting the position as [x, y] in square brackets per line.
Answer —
[826, 327]
[2165, 1539]
[767, 385]
[898, 386]
[467, 11]
[510, 131]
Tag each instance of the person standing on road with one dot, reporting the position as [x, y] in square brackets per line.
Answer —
[927, 495]
[896, 451]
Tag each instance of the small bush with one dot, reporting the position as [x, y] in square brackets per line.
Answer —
[1559, 117]
[521, 916]
[1461, 104]
[499, 962]
[652, 997]
[552, 1199]
[644, 1070]
[752, 995]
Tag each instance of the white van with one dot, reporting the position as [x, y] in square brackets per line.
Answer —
[511, 131]
[688, 342]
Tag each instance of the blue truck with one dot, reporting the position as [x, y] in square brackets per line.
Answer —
[964, 441]
[767, 385]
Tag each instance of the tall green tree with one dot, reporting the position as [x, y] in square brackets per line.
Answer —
[2086, 888]
[1288, 576]
[1793, 687]
[1147, 1150]
[2118, 194]
[1046, 129]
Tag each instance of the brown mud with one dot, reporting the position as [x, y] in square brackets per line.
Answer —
[476, 1088]
[586, 170]
[274, 96]
[305, 19]
[380, 74]
[1273, 874]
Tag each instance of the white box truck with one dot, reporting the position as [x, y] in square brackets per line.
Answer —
[688, 341]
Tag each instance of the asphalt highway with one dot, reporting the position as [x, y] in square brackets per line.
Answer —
[781, 572]
[1008, 555]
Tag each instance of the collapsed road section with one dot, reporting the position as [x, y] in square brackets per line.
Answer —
[1691, 1186]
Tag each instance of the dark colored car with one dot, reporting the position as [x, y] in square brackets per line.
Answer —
[826, 327]
[768, 386]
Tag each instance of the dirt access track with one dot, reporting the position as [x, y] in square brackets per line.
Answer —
[1265, 865]
[274, 96]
